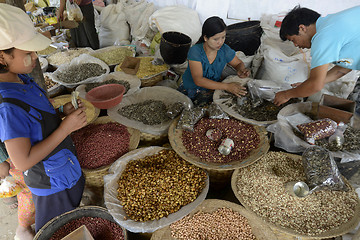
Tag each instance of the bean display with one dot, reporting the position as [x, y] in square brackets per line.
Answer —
[99, 228]
[318, 129]
[149, 112]
[243, 134]
[158, 185]
[100, 144]
[222, 224]
[262, 188]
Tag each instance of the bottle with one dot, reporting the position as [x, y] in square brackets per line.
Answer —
[338, 136]
[226, 146]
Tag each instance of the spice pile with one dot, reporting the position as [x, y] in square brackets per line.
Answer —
[158, 185]
[81, 72]
[243, 134]
[224, 223]
[64, 57]
[262, 188]
[149, 112]
[90, 86]
[99, 228]
[100, 144]
[266, 111]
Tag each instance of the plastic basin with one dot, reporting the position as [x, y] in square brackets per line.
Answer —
[106, 96]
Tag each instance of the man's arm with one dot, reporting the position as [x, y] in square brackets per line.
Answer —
[312, 85]
[335, 73]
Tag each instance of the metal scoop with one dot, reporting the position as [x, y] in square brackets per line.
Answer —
[298, 189]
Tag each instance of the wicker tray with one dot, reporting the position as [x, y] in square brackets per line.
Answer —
[91, 112]
[95, 177]
[56, 223]
[289, 234]
[259, 228]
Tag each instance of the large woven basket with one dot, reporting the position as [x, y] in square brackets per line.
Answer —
[56, 223]
[290, 234]
[151, 81]
[220, 173]
[148, 139]
[95, 177]
[91, 112]
[259, 228]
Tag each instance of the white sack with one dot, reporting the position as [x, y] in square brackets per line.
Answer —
[179, 19]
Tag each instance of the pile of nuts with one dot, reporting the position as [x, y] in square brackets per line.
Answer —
[99, 229]
[49, 82]
[224, 223]
[100, 144]
[262, 188]
[158, 185]
[243, 134]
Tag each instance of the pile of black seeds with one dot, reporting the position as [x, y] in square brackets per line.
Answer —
[78, 73]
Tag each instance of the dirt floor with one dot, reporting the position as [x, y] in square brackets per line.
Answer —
[8, 222]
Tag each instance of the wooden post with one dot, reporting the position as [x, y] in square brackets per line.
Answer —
[37, 73]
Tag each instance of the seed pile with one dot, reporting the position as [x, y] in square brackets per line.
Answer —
[66, 56]
[351, 141]
[90, 86]
[146, 68]
[222, 224]
[49, 82]
[266, 111]
[262, 188]
[318, 129]
[149, 112]
[47, 51]
[112, 56]
[243, 134]
[78, 73]
[100, 144]
[99, 228]
[158, 185]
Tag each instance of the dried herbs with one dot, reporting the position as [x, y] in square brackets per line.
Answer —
[78, 73]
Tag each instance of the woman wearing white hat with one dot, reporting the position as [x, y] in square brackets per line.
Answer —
[35, 137]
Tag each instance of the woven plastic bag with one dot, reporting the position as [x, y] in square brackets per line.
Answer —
[321, 170]
[73, 11]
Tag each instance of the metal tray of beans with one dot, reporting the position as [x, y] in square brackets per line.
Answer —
[146, 109]
[262, 115]
[130, 82]
[149, 73]
[97, 153]
[114, 55]
[250, 143]
[261, 188]
[97, 220]
[150, 188]
[91, 112]
[82, 69]
[218, 215]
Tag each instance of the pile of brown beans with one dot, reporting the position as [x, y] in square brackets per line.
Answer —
[222, 224]
[158, 185]
[99, 228]
[243, 134]
[262, 188]
[99, 145]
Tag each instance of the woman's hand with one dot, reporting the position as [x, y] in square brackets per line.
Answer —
[74, 121]
[69, 108]
[243, 73]
[236, 89]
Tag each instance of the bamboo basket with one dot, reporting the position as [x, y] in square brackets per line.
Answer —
[220, 173]
[95, 177]
[56, 223]
[91, 112]
[259, 228]
[148, 139]
[290, 234]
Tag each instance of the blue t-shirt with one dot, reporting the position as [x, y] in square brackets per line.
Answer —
[337, 40]
[211, 71]
[15, 122]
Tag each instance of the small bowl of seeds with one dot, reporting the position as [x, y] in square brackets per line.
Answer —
[106, 96]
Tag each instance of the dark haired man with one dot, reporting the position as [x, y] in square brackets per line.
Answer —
[332, 39]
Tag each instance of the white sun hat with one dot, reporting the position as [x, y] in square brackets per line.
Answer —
[18, 31]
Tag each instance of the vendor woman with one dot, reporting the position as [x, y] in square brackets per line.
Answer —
[207, 59]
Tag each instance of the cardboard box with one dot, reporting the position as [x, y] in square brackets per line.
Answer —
[81, 233]
[130, 65]
[335, 108]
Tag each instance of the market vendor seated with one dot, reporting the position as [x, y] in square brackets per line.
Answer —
[332, 39]
[207, 59]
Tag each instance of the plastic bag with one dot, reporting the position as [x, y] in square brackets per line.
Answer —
[73, 12]
[215, 112]
[174, 110]
[190, 117]
[321, 170]
[318, 129]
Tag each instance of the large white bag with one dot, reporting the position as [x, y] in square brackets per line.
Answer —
[178, 19]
